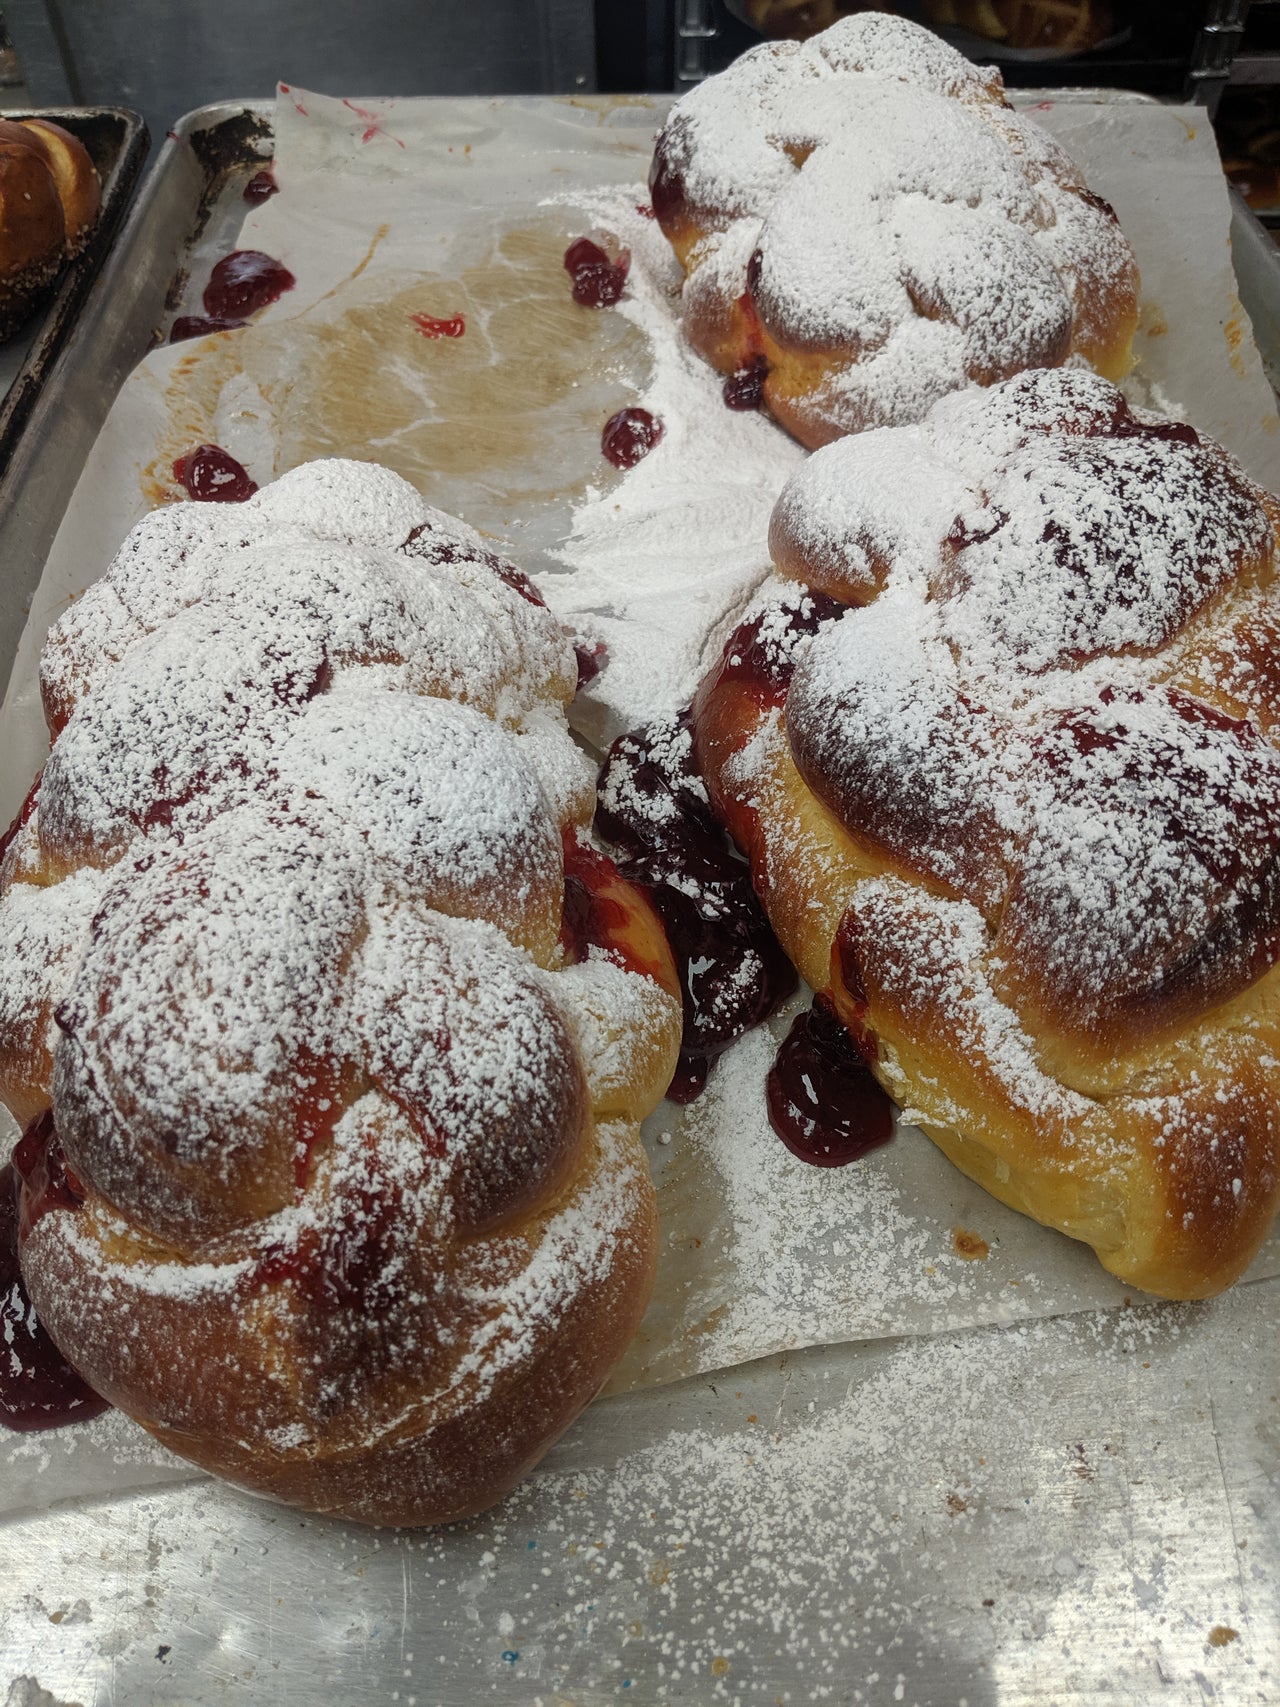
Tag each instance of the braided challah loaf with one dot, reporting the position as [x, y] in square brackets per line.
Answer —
[866, 225]
[1006, 764]
[330, 1032]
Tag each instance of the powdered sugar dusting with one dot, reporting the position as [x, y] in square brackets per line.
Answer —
[905, 226]
[286, 918]
[999, 717]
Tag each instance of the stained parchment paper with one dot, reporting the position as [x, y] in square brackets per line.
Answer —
[394, 209]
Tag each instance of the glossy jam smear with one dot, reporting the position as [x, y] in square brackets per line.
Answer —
[200, 326]
[243, 282]
[212, 475]
[733, 973]
[261, 187]
[38, 1387]
[598, 282]
[824, 1103]
[629, 436]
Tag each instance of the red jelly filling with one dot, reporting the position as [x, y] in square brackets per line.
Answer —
[199, 325]
[212, 475]
[261, 187]
[598, 282]
[761, 652]
[591, 660]
[745, 389]
[24, 813]
[823, 1101]
[733, 973]
[38, 1387]
[243, 282]
[629, 436]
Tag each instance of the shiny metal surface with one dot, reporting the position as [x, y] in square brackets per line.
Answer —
[1083, 1511]
[1094, 1517]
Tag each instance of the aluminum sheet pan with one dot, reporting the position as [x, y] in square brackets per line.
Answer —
[116, 140]
[1073, 1511]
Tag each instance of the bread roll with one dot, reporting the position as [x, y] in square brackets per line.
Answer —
[330, 1032]
[1002, 747]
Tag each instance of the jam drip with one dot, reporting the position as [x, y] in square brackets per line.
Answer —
[823, 1101]
[38, 1387]
[212, 475]
[762, 651]
[243, 282]
[598, 282]
[744, 389]
[733, 974]
[629, 436]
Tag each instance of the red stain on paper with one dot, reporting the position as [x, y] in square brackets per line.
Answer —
[431, 327]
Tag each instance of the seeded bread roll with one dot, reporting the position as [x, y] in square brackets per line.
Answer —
[330, 1032]
[864, 222]
[49, 199]
[1006, 759]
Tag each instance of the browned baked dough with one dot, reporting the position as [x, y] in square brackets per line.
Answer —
[357, 1211]
[1008, 775]
[49, 200]
[864, 221]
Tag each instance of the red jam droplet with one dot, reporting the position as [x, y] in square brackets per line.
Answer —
[733, 974]
[38, 1387]
[261, 187]
[598, 282]
[823, 1100]
[212, 475]
[200, 326]
[591, 660]
[243, 282]
[629, 436]
[745, 389]
[431, 327]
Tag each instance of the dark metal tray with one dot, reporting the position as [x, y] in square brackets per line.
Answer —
[116, 140]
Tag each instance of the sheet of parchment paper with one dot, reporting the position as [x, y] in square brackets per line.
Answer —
[394, 209]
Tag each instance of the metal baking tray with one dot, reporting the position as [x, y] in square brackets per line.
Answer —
[116, 140]
[1113, 1536]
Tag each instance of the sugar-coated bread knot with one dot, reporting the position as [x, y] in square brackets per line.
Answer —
[1009, 775]
[343, 1098]
[866, 225]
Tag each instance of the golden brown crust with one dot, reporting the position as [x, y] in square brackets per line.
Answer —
[347, 1094]
[49, 200]
[1111, 1069]
[865, 224]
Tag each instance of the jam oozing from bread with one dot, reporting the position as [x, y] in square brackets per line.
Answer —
[200, 326]
[24, 813]
[629, 436]
[823, 1102]
[245, 281]
[596, 913]
[745, 389]
[598, 282]
[261, 187]
[212, 475]
[38, 1387]
[761, 652]
[733, 974]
